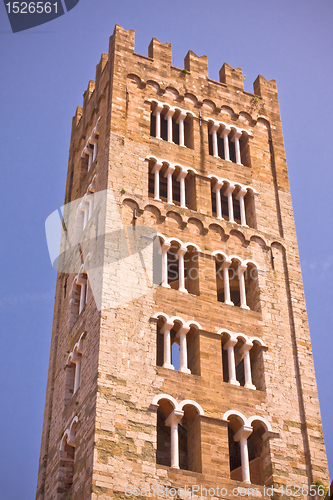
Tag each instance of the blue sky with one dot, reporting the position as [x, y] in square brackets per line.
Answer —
[44, 72]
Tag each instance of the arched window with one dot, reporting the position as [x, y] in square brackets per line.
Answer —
[233, 202]
[228, 143]
[242, 361]
[67, 457]
[177, 346]
[249, 455]
[178, 434]
[171, 124]
[180, 265]
[171, 183]
[237, 282]
[90, 150]
[73, 369]
[79, 295]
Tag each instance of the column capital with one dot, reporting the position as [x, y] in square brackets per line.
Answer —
[243, 433]
[226, 263]
[182, 175]
[169, 170]
[230, 343]
[182, 251]
[165, 246]
[181, 116]
[158, 108]
[241, 269]
[170, 112]
[218, 184]
[225, 131]
[236, 135]
[157, 166]
[174, 418]
[242, 192]
[229, 189]
[215, 126]
[246, 347]
[183, 329]
[167, 326]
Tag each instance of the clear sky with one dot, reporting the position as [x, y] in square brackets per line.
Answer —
[44, 72]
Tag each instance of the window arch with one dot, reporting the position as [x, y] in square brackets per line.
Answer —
[67, 456]
[180, 265]
[73, 369]
[242, 362]
[233, 202]
[79, 293]
[237, 281]
[178, 433]
[172, 331]
[228, 143]
[171, 182]
[171, 124]
[248, 447]
[90, 150]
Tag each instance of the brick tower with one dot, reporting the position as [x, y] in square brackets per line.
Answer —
[207, 380]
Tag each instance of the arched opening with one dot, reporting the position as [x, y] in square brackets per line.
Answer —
[189, 440]
[232, 277]
[257, 366]
[173, 265]
[191, 265]
[163, 450]
[252, 287]
[259, 455]
[235, 460]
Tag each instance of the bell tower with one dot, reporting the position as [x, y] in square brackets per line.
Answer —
[180, 355]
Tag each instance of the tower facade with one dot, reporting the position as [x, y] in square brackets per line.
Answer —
[204, 381]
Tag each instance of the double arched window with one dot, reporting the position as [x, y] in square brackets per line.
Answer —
[248, 450]
[178, 433]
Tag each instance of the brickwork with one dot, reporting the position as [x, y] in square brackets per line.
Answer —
[116, 432]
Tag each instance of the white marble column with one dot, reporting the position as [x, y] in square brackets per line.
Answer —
[157, 114]
[240, 196]
[90, 158]
[167, 345]
[241, 436]
[224, 135]
[225, 269]
[181, 180]
[172, 421]
[168, 175]
[156, 171]
[181, 269]
[213, 130]
[77, 377]
[241, 270]
[217, 190]
[236, 138]
[229, 347]
[165, 247]
[169, 116]
[245, 350]
[181, 334]
[180, 121]
[228, 192]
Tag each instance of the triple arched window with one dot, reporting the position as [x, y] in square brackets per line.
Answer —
[171, 123]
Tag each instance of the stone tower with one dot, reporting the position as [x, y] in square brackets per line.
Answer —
[206, 380]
